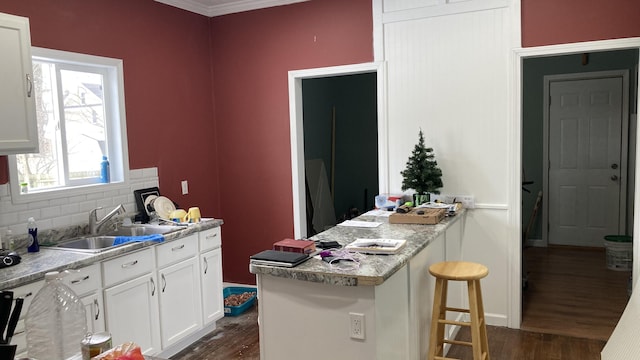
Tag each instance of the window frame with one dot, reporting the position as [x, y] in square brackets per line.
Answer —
[115, 124]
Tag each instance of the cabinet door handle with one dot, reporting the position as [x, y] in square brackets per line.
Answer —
[80, 280]
[29, 85]
[129, 264]
[153, 290]
[95, 303]
[164, 282]
[26, 295]
[212, 236]
[179, 247]
[206, 265]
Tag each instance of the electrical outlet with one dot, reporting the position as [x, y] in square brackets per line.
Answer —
[185, 187]
[468, 201]
[356, 326]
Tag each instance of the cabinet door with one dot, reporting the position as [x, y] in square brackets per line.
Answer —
[27, 292]
[94, 311]
[180, 306]
[211, 280]
[17, 102]
[132, 313]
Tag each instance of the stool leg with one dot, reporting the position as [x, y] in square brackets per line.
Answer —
[478, 327]
[436, 341]
[484, 342]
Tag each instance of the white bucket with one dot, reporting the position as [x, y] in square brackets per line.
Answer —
[619, 255]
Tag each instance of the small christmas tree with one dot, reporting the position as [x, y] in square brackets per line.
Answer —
[422, 173]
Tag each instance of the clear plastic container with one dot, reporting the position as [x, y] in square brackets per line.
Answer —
[55, 322]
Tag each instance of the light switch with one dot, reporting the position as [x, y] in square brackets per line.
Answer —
[185, 187]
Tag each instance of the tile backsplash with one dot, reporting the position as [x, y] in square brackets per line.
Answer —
[74, 210]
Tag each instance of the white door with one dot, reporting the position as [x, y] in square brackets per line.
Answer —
[585, 162]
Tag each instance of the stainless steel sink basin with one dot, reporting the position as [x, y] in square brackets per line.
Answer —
[89, 243]
[143, 229]
[99, 243]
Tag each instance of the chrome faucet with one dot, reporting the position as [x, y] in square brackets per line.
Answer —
[95, 224]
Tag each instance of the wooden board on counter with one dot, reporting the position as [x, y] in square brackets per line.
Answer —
[424, 216]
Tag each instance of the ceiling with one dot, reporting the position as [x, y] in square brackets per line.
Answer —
[222, 7]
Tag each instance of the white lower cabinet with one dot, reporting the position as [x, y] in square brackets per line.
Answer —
[132, 306]
[156, 297]
[211, 274]
[211, 283]
[180, 313]
[27, 292]
[86, 282]
[178, 274]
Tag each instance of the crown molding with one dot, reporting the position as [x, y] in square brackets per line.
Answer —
[204, 7]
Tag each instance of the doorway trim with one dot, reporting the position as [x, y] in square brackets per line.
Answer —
[515, 250]
[624, 145]
[297, 132]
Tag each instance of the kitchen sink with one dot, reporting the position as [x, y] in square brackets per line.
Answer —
[143, 229]
[91, 244]
[99, 243]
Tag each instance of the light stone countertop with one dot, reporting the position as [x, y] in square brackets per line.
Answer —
[33, 266]
[373, 269]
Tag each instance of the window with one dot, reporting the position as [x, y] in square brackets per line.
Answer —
[80, 111]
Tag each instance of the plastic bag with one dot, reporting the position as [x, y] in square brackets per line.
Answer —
[126, 351]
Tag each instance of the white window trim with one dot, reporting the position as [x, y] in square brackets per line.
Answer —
[120, 149]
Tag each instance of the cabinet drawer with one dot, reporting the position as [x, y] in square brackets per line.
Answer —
[210, 239]
[84, 280]
[127, 267]
[177, 250]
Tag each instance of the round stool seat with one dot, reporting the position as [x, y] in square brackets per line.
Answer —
[458, 270]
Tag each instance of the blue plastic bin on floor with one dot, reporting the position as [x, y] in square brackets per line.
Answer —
[237, 310]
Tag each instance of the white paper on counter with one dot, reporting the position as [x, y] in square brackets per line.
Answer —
[378, 212]
[356, 223]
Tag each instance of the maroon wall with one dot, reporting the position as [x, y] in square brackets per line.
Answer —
[546, 22]
[167, 74]
[252, 54]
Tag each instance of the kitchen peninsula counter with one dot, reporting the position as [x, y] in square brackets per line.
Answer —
[393, 293]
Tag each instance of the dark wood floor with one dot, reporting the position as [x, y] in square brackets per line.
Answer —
[571, 292]
[569, 284]
[236, 337]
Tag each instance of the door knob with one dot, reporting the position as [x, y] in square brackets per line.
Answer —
[614, 177]
[614, 166]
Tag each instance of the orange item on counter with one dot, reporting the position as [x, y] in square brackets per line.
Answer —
[126, 351]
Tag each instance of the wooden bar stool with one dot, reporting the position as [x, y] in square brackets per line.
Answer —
[458, 271]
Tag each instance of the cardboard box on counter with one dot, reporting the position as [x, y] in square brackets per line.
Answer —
[425, 216]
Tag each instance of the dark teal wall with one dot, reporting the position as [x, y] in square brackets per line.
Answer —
[532, 107]
[356, 160]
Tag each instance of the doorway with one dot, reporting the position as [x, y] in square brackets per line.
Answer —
[297, 115]
[586, 141]
[340, 148]
[562, 207]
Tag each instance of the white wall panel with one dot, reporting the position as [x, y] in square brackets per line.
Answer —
[485, 241]
[449, 75]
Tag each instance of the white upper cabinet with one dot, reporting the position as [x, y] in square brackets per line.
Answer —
[19, 133]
